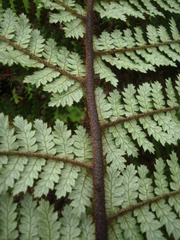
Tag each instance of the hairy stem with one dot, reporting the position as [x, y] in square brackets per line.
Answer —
[139, 116]
[42, 60]
[98, 165]
[46, 156]
[123, 50]
[141, 204]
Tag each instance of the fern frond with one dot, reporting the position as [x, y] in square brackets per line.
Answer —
[163, 127]
[8, 218]
[47, 219]
[120, 10]
[70, 224]
[22, 45]
[28, 222]
[70, 14]
[87, 227]
[81, 194]
[140, 53]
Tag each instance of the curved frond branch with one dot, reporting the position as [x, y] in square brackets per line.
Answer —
[69, 9]
[41, 60]
[141, 204]
[138, 116]
[123, 50]
[46, 156]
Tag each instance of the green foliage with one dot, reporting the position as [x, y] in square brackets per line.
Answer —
[47, 180]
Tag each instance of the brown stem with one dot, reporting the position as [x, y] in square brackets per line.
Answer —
[138, 116]
[141, 204]
[82, 17]
[98, 166]
[41, 60]
[48, 157]
[122, 50]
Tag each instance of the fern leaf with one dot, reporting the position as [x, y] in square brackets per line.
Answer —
[164, 212]
[104, 72]
[50, 172]
[42, 77]
[73, 94]
[30, 172]
[69, 225]
[7, 138]
[114, 190]
[130, 185]
[47, 178]
[82, 145]
[65, 16]
[170, 91]
[103, 107]
[26, 136]
[8, 218]
[148, 222]
[123, 141]
[50, 51]
[175, 183]
[87, 227]
[23, 31]
[50, 5]
[44, 137]
[139, 135]
[26, 139]
[117, 10]
[115, 232]
[59, 85]
[67, 180]
[11, 172]
[47, 219]
[116, 105]
[36, 44]
[130, 229]
[114, 154]
[74, 29]
[81, 194]
[8, 24]
[28, 221]
[63, 140]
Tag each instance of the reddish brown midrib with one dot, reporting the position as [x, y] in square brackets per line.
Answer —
[98, 166]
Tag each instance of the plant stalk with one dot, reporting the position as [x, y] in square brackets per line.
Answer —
[98, 165]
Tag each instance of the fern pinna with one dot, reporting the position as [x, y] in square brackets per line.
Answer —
[103, 184]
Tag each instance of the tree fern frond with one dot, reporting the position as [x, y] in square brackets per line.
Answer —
[8, 218]
[82, 145]
[164, 127]
[103, 107]
[104, 72]
[29, 49]
[123, 141]
[8, 24]
[69, 225]
[23, 31]
[87, 227]
[67, 180]
[129, 52]
[81, 194]
[47, 219]
[114, 155]
[28, 221]
[114, 189]
[130, 228]
[71, 15]
[42, 77]
[47, 178]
